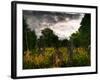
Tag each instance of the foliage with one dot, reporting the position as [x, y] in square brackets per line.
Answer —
[82, 37]
[50, 39]
[76, 39]
[85, 31]
[29, 38]
[81, 57]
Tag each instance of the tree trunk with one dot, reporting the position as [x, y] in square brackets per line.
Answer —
[70, 51]
[27, 43]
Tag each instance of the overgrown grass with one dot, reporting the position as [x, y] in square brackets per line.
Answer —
[51, 58]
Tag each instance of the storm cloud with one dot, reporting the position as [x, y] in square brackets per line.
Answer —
[62, 23]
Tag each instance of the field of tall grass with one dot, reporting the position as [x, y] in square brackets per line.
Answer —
[50, 58]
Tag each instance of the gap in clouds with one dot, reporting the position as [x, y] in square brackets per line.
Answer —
[63, 24]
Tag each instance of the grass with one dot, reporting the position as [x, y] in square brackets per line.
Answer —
[50, 58]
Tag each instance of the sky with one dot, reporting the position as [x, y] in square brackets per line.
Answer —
[63, 24]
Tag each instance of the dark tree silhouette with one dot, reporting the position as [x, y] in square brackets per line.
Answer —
[25, 43]
[82, 37]
[29, 37]
[85, 31]
[76, 39]
[50, 39]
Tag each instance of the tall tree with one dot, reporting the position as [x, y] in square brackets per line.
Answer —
[85, 31]
[25, 42]
[76, 39]
[40, 45]
[29, 37]
[82, 37]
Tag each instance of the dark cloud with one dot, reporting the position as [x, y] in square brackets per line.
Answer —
[51, 17]
[38, 20]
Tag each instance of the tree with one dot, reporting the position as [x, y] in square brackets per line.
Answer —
[50, 39]
[29, 37]
[85, 31]
[76, 39]
[82, 37]
[40, 44]
[63, 43]
[25, 43]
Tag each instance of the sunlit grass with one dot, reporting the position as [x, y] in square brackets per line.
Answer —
[49, 58]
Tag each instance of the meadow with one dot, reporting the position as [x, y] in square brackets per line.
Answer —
[51, 58]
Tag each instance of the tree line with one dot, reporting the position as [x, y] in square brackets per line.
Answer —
[48, 39]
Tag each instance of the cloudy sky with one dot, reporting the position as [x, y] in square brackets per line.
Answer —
[63, 24]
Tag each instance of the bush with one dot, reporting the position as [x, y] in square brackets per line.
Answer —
[81, 59]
